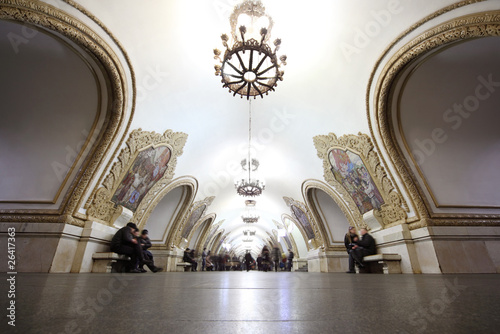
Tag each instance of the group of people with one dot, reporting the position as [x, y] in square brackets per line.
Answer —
[128, 241]
[358, 247]
[269, 259]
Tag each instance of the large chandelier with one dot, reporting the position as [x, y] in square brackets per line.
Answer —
[250, 216]
[249, 187]
[249, 66]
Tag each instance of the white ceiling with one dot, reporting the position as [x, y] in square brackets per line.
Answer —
[170, 44]
[323, 90]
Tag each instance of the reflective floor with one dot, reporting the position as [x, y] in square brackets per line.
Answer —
[255, 302]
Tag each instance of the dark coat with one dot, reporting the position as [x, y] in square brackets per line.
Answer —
[290, 256]
[348, 240]
[368, 243]
[122, 237]
[145, 243]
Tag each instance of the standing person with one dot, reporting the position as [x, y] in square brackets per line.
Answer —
[203, 259]
[259, 262]
[290, 260]
[125, 243]
[364, 247]
[248, 260]
[350, 240]
[276, 255]
[265, 258]
[208, 262]
[146, 244]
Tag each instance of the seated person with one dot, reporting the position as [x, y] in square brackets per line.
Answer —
[187, 258]
[124, 243]
[194, 266]
[350, 241]
[363, 247]
[146, 244]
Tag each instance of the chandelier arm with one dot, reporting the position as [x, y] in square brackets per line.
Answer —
[234, 76]
[234, 68]
[236, 91]
[251, 60]
[241, 62]
[257, 89]
[267, 69]
[235, 82]
[261, 62]
[266, 85]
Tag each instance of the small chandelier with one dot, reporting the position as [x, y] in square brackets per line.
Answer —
[249, 187]
[250, 216]
[249, 66]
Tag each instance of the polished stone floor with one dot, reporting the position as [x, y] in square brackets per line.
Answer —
[255, 302]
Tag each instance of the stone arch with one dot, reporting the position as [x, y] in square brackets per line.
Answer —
[176, 198]
[345, 217]
[380, 104]
[119, 76]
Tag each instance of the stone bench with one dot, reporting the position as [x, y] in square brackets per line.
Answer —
[382, 263]
[183, 266]
[109, 262]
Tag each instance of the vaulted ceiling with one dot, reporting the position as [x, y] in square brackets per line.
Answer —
[332, 49]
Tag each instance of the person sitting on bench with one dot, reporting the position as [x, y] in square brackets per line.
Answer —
[125, 243]
[187, 258]
[146, 244]
[364, 247]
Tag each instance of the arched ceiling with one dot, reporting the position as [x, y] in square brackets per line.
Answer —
[332, 47]
[452, 134]
[170, 45]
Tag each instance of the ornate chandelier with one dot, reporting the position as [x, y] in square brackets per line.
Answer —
[250, 215]
[249, 66]
[249, 187]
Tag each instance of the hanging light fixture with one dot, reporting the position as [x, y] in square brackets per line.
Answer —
[250, 215]
[249, 66]
[249, 187]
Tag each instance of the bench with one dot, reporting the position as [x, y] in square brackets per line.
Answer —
[109, 262]
[382, 263]
[183, 266]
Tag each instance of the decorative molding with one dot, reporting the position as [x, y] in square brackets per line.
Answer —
[318, 240]
[346, 203]
[142, 215]
[394, 209]
[101, 206]
[52, 19]
[177, 235]
[290, 236]
[210, 217]
[210, 235]
[416, 203]
[471, 26]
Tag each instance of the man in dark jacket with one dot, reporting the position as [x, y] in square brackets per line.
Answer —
[124, 242]
[189, 259]
[146, 244]
[290, 260]
[248, 261]
[364, 247]
[350, 240]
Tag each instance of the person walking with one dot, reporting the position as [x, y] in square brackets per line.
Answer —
[276, 255]
[248, 261]
[203, 259]
[290, 259]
